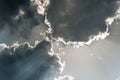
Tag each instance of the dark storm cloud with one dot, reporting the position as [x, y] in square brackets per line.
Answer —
[77, 20]
[19, 17]
[23, 62]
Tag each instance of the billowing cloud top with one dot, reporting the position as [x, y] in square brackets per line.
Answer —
[78, 20]
[24, 62]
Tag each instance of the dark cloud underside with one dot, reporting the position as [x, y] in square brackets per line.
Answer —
[77, 20]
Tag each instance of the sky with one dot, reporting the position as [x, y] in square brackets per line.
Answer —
[98, 61]
[59, 39]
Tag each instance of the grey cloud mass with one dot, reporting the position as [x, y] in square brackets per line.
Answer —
[77, 20]
[20, 21]
[23, 62]
[26, 20]
[18, 18]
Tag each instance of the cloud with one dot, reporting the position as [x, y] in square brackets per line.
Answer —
[19, 20]
[118, 78]
[25, 62]
[24, 20]
[79, 20]
[31, 20]
[66, 77]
